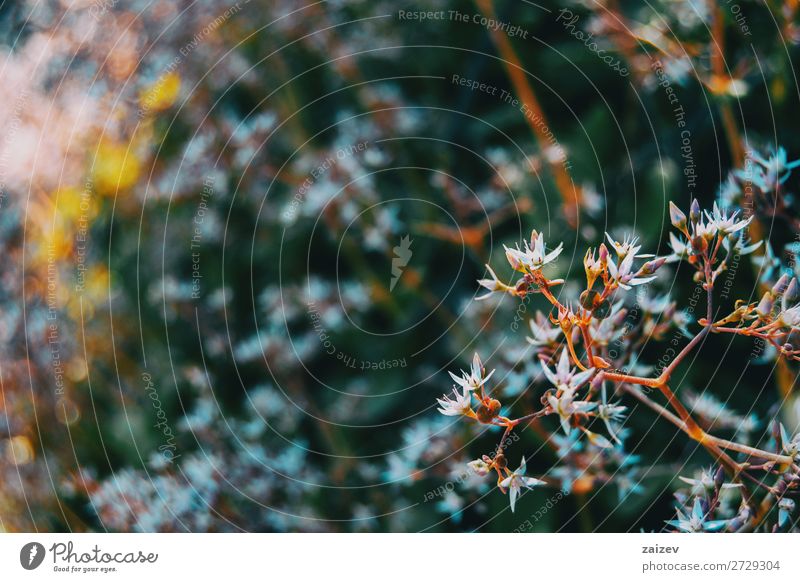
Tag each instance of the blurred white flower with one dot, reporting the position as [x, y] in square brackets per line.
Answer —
[516, 481]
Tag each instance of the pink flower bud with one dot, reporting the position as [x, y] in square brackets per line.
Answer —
[765, 305]
[651, 267]
[694, 212]
[603, 253]
[791, 294]
[677, 217]
[780, 285]
[512, 259]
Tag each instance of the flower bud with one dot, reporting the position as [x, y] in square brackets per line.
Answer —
[500, 461]
[677, 217]
[592, 267]
[719, 478]
[603, 254]
[777, 433]
[512, 260]
[765, 305]
[792, 292]
[480, 467]
[694, 212]
[651, 267]
[780, 285]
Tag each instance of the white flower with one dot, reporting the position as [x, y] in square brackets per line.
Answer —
[696, 521]
[790, 446]
[564, 377]
[567, 382]
[790, 293]
[706, 231]
[493, 284]
[598, 440]
[534, 256]
[624, 275]
[480, 467]
[459, 406]
[627, 247]
[544, 333]
[565, 406]
[726, 224]
[680, 248]
[705, 483]
[451, 505]
[655, 305]
[729, 191]
[776, 170]
[741, 246]
[516, 481]
[790, 317]
[476, 378]
[610, 414]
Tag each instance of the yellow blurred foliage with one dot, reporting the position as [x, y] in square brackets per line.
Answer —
[74, 205]
[161, 94]
[116, 168]
[54, 244]
[95, 292]
[18, 450]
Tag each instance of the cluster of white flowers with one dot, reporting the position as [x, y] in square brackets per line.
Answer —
[703, 228]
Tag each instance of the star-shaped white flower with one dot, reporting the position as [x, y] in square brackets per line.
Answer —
[516, 481]
[493, 284]
[564, 377]
[626, 277]
[544, 333]
[790, 317]
[534, 256]
[565, 406]
[611, 415]
[726, 224]
[680, 248]
[704, 483]
[476, 376]
[696, 521]
[460, 405]
[791, 446]
[627, 247]
[741, 245]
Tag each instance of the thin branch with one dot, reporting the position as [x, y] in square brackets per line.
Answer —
[536, 118]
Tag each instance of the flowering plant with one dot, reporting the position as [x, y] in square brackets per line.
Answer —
[573, 345]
